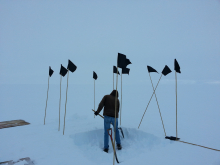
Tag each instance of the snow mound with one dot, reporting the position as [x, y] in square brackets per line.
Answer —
[135, 142]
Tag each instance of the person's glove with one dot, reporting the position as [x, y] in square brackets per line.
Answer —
[96, 113]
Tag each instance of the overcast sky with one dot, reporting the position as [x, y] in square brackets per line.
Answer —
[37, 34]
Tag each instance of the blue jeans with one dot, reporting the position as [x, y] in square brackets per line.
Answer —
[107, 121]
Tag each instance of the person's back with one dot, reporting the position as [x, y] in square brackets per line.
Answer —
[108, 102]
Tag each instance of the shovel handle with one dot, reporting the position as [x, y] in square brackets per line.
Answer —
[110, 134]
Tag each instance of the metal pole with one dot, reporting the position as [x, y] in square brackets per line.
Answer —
[60, 102]
[46, 100]
[65, 103]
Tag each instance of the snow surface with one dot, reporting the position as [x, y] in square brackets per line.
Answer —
[39, 34]
[83, 139]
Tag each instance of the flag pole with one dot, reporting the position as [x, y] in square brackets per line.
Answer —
[115, 114]
[121, 98]
[94, 96]
[66, 102]
[46, 100]
[113, 81]
[150, 100]
[60, 102]
[176, 103]
[158, 106]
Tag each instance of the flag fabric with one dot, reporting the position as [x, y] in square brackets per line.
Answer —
[176, 66]
[127, 62]
[166, 70]
[71, 66]
[50, 71]
[125, 70]
[150, 69]
[95, 75]
[115, 70]
[63, 71]
[121, 62]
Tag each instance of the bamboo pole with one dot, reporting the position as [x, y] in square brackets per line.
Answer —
[94, 96]
[150, 101]
[46, 100]
[65, 103]
[121, 99]
[116, 99]
[113, 80]
[176, 104]
[60, 102]
[158, 105]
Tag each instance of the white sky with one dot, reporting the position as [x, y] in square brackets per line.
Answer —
[37, 34]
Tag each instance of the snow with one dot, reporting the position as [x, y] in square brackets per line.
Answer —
[82, 142]
[39, 34]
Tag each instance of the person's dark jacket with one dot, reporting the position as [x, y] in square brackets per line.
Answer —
[108, 102]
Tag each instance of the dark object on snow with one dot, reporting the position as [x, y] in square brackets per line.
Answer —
[95, 75]
[11, 162]
[50, 71]
[71, 66]
[172, 138]
[176, 66]
[166, 70]
[150, 69]
[119, 147]
[12, 123]
[125, 70]
[122, 61]
[63, 71]
[121, 132]
[105, 150]
[115, 70]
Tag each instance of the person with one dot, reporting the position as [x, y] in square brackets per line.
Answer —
[108, 102]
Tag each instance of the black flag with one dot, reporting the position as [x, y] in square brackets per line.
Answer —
[150, 69]
[176, 66]
[166, 70]
[95, 75]
[50, 71]
[115, 70]
[125, 70]
[71, 66]
[63, 71]
[121, 62]
[127, 62]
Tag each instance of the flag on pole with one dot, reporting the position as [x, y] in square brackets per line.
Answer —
[50, 71]
[150, 69]
[122, 61]
[125, 71]
[115, 70]
[63, 71]
[176, 66]
[166, 70]
[71, 67]
[95, 75]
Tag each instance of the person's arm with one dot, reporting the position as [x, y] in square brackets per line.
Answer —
[101, 105]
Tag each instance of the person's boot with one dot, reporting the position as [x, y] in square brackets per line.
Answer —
[105, 150]
[119, 146]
